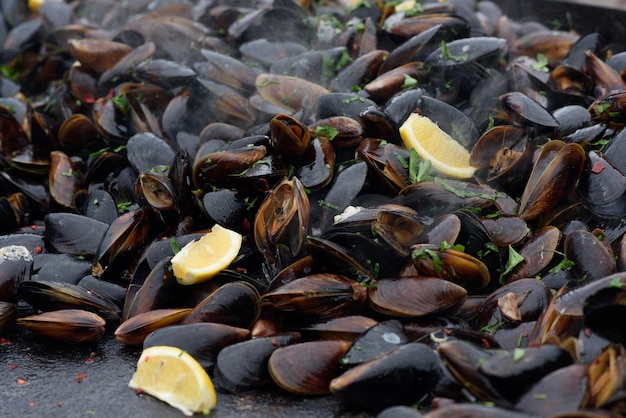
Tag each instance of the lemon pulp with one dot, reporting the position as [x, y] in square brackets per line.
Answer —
[446, 155]
[202, 259]
[175, 377]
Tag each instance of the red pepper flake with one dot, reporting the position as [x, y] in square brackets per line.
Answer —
[89, 99]
[90, 360]
[59, 404]
[274, 342]
[139, 391]
[282, 54]
[33, 227]
[38, 250]
[247, 225]
[31, 404]
[21, 381]
[80, 377]
[147, 358]
[13, 366]
[4, 341]
[598, 166]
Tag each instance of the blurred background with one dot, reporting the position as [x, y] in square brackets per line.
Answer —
[603, 3]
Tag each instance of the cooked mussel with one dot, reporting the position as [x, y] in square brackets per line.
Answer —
[71, 325]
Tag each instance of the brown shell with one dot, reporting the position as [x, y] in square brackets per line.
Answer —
[415, 296]
[310, 377]
[72, 325]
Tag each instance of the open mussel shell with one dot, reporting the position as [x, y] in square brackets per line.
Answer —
[450, 264]
[70, 325]
[463, 359]
[537, 252]
[402, 376]
[520, 301]
[50, 296]
[244, 365]
[150, 289]
[310, 377]
[607, 374]
[16, 265]
[121, 242]
[400, 228]
[202, 340]
[376, 341]
[289, 137]
[415, 296]
[556, 170]
[282, 218]
[319, 295]
[135, 330]
[237, 304]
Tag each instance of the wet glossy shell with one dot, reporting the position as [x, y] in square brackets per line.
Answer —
[72, 325]
[244, 365]
[50, 296]
[136, 329]
[310, 377]
[202, 340]
[400, 377]
[237, 304]
[415, 296]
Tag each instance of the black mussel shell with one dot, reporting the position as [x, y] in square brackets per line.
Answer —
[244, 365]
[237, 304]
[603, 311]
[562, 390]
[74, 234]
[50, 296]
[376, 341]
[521, 367]
[16, 266]
[402, 376]
[203, 340]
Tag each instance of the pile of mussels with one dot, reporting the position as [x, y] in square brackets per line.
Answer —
[124, 137]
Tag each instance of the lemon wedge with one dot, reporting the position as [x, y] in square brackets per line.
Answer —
[34, 5]
[446, 155]
[173, 376]
[200, 260]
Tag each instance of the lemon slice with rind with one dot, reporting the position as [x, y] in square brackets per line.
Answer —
[446, 155]
[175, 377]
[201, 260]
